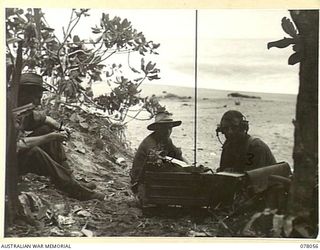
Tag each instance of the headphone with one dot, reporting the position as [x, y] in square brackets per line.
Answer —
[230, 115]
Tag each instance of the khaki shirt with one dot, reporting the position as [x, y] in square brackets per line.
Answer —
[151, 143]
[27, 123]
[247, 154]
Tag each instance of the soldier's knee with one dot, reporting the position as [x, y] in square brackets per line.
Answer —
[35, 150]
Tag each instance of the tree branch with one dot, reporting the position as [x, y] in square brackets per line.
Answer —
[67, 35]
[37, 19]
[69, 24]
[11, 56]
[51, 86]
[79, 50]
[106, 57]
[49, 26]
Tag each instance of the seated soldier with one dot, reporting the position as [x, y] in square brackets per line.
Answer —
[41, 151]
[241, 152]
[244, 153]
[158, 141]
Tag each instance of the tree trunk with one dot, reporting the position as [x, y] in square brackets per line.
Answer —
[13, 206]
[303, 201]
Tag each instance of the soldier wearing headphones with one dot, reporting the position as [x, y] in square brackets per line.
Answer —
[241, 152]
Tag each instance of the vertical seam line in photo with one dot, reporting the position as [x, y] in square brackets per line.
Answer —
[195, 90]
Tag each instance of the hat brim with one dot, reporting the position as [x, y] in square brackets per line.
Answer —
[33, 85]
[156, 125]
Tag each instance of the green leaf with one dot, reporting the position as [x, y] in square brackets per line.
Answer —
[288, 27]
[13, 40]
[134, 70]
[155, 46]
[294, 58]
[142, 65]
[76, 39]
[96, 30]
[285, 42]
[101, 66]
[153, 77]
[48, 29]
[125, 23]
[138, 79]
[150, 66]
[48, 40]
[154, 71]
[20, 11]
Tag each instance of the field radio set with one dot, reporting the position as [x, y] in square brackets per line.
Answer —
[181, 186]
[172, 184]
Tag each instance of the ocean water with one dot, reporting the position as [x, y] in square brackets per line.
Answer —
[202, 93]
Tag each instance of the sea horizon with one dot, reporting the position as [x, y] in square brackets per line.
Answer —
[149, 89]
[98, 89]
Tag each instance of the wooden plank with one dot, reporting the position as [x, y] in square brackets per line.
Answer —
[189, 189]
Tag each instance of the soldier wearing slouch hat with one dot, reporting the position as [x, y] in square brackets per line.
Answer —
[39, 144]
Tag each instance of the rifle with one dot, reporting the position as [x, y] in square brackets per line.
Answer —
[22, 109]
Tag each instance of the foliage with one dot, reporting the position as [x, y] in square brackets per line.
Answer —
[66, 63]
[294, 39]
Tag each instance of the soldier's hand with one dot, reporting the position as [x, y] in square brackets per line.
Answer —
[66, 129]
[59, 136]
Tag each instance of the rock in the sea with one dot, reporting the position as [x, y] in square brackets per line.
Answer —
[236, 94]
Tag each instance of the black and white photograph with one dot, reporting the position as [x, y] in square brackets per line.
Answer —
[172, 123]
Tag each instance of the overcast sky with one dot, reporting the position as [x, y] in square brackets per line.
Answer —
[175, 31]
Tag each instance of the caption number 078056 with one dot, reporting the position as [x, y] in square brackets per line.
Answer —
[309, 246]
